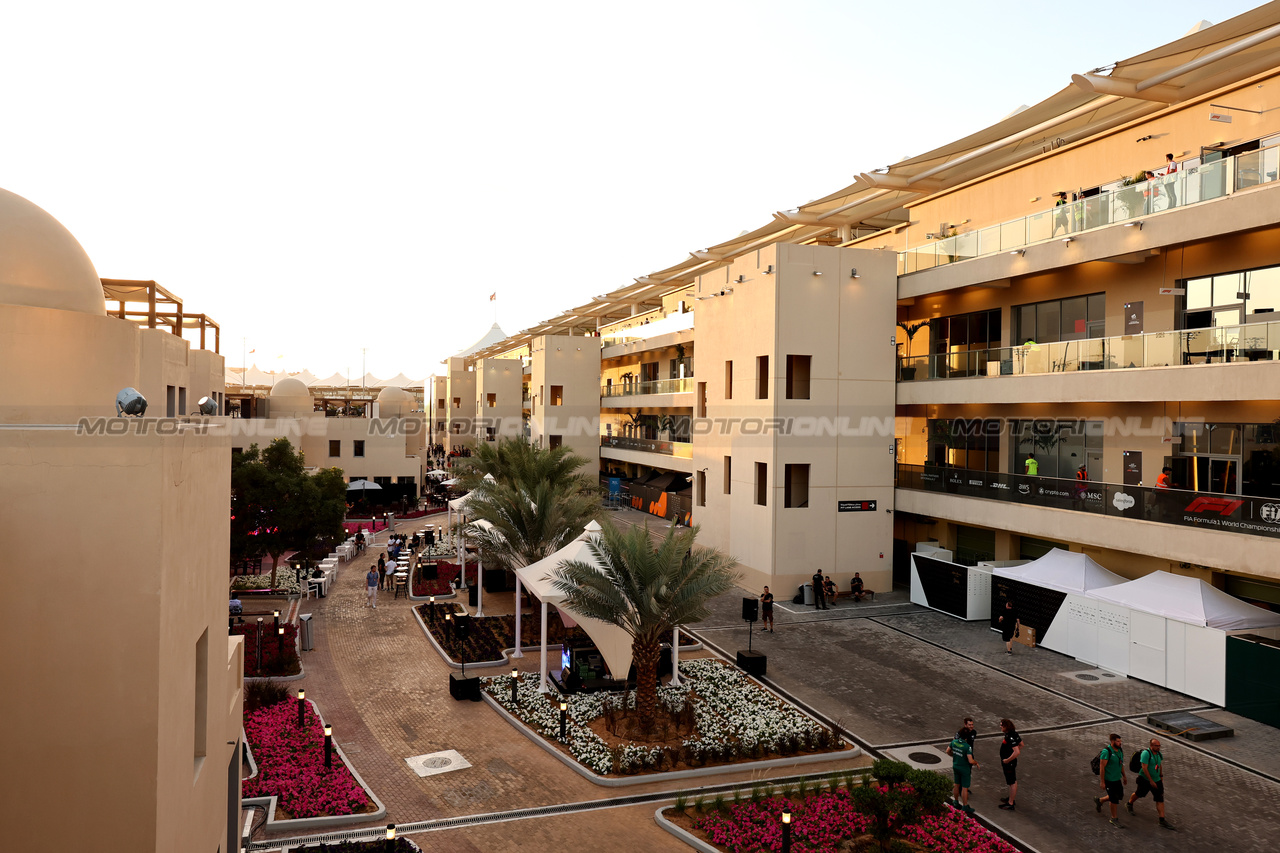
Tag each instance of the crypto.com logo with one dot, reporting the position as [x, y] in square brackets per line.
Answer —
[1220, 505]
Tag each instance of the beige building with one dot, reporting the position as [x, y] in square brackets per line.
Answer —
[122, 688]
[1124, 331]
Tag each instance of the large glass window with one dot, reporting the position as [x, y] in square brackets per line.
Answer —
[1072, 319]
[960, 334]
[1232, 298]
[971, 443]
[1059, 446]
[1228, 458]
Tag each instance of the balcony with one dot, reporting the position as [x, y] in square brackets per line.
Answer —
[659, 386]
[1244, 514]
[679, 454]
[1219, 345]
[1185, 188]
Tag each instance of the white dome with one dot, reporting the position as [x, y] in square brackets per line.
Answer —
[41, 263]
[290, 387]
[392, 394]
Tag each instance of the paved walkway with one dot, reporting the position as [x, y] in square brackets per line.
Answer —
[385, 691]
[902, 676]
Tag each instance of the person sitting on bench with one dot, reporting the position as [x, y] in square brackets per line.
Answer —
[830, 589]
[856, 589]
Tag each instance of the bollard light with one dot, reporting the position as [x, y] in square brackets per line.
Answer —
[564, 717]
[276, 615]
[391, 836]
[302, 705]
[515, 686]
[786, 831]
[280, 641]
[258, 643]
[328, 745]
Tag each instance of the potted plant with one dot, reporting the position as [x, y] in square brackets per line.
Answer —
[910, 329]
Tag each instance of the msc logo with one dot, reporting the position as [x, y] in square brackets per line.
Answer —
[1270, 512]
[1222, 506]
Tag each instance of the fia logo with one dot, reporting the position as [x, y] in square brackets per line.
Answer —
[1270, 512]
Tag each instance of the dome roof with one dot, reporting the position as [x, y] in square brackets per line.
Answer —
[290, 387]
[41, 264]
[392, 394]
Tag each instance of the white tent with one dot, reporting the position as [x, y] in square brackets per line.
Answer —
[368, 381]
[1189, 600]
[1065, 571]
[400, 381]
[306, 377]
[613, 642]
[337, 380]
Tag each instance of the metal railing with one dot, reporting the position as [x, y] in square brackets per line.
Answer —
[678, 449]
[1221, 344]
[1188, 186]
[1257, 516]
[659, 386]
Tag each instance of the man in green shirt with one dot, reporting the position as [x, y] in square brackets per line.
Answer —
[1033, 467]
[962, 766]
[1112, 778]
[1151, 781]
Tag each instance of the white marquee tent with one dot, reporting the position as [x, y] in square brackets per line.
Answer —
[1065, 571]
[1188, 600]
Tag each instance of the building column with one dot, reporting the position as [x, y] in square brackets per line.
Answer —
[517, 653]
[542, 680]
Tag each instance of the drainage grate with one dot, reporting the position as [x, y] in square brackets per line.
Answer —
[1092, 676]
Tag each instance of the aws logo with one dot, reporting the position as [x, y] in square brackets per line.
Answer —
[1222, 506]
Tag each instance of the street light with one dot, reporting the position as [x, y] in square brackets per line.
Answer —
[786, 830]
[302, 705]
[564, 717]
[515, 686]
[328, 745]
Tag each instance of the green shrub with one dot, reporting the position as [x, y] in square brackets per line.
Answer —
[682, 803]
[890, 772]
[932, 788]
[717, 805]
[264, 694]
[802, 788]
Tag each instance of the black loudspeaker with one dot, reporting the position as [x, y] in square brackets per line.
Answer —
[464, 687]
[750, 609]
[753, 663]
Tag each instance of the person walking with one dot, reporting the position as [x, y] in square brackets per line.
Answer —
[1111, 778]
[382, 570]
[1151, 781]
[371, 587]
[1009, 622]
[1010, 749]
[1031, 466]
[819, 598]
[766, 610]
[962, 766]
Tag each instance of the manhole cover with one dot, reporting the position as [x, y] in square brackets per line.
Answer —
[925, 757]
[437, 763]
[445, 761]
[1108, 675]
[1084, 676]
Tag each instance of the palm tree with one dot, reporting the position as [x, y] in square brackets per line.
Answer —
[646, 591]
[516, 461]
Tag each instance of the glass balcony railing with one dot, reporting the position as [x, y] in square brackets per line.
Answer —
[1228, 513]
[659, 386]
[1188, 186]
[1221, 344]
[678, 449]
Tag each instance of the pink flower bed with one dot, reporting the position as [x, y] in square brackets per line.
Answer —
[822, 821]
[291, 765]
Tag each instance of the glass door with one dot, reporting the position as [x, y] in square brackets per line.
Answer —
[1218, 475]
[1226, 330]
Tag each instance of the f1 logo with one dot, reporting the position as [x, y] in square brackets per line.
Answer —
[1221, 505]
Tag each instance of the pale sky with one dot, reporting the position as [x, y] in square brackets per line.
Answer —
[321, 178]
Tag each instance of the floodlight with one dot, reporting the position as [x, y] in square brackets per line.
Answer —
[207, 406]
[130, 402]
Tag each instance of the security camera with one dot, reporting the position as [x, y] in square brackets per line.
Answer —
[207, 406]
[130, 402]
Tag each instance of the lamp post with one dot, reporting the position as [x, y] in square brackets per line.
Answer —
[564, 717]
[328, 745]
[302, 705]
[515, 687]
[391, 836]
[259, 645]
[432, 612]
[786, 831]
[280, 642]
[276, 615]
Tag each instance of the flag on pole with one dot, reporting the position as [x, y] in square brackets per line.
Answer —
[493, 296]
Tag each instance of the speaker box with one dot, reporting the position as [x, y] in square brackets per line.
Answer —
[462, 687]
[429, 571]
[753, 663]
[750, 609]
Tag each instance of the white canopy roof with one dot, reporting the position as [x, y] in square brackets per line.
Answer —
[459, 504]
[306, 377]
[1187, 599]
[401, 381]
[438, 473]
[613, 642]
[1065, 571]
[337, 380]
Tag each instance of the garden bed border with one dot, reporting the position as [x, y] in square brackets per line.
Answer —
[684, 835]
[297, 650]
[303, 823]
[697, 772]
[506, 653]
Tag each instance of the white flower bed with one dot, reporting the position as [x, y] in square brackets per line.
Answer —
[285, 580]
[733, 716]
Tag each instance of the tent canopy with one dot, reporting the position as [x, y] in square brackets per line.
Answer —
[1187, 599]
[613, 642]
[1065, 571]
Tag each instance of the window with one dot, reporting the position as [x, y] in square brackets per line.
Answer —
[974, 544]
[971, 443]
[762, 377]
[457, 402]
[490, 434]
[1073, 319]
[728, 474]
[182, 401]
[382, 481]
[335, 448]
[491, 400]
[798, 376]
[702, 488]
[728, 380]
[554, 441]
[357, 448]
[201, 745]
[796, 488]
[1231, 299]
[440, 403]
[700, 401]
[1060, 446]
[557, 396]
[406, 481]
[762, 484]
[171, 401]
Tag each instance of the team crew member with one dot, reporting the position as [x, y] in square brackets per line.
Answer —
[1111, 778]
[766, 610]
[962, 767]
[1010, 749]
[1151, 781]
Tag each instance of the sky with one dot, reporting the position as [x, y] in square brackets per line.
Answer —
[343, 186]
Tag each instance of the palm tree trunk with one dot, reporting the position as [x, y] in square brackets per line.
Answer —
[646, 653]
[275, 558]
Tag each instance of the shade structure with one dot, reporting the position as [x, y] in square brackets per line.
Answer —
[438, 474]
[459, 505]
[1187, 599]
[362, 486]
[1065, 571]
[613, 642]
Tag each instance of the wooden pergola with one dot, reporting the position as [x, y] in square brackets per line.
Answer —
[162, 307]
